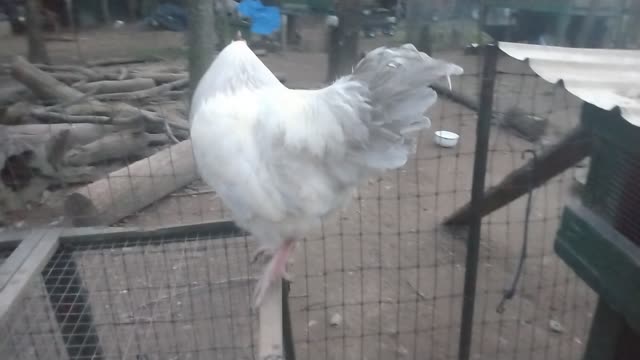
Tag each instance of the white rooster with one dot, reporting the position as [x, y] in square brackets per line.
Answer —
[283, 159]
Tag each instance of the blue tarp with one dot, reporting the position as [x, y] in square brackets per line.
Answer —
[264, 19]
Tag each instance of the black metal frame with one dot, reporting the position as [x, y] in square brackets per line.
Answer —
[477, 194]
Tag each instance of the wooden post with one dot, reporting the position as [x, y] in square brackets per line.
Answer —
[587, 26]
[610, 337]
[416, 15]
[202, 43]
[106, 13]
[343, 39]
[132, 6]
[35, 37]
[283, 32]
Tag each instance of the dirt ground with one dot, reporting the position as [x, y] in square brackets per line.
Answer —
[385, 266]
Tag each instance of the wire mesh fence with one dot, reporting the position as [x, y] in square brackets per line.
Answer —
[382, 279]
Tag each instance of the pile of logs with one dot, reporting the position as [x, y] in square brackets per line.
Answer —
[104, 132]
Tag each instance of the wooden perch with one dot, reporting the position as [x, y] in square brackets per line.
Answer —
[271, 325]
[461, 99]
[574, 147]
[116, 86]
[128, 190]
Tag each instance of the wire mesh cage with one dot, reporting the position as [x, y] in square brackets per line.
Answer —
[147, 265]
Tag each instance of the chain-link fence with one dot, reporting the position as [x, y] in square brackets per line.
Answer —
[106, 145]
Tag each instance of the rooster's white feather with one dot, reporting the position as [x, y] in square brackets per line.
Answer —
[282, 159]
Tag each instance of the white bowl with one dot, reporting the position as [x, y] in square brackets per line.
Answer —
[446, 138]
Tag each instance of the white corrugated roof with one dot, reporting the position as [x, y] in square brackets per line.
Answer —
[602, 77]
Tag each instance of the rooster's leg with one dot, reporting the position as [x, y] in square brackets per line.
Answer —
[276, 270]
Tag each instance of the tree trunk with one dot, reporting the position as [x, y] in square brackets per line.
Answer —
[106, 13]
[202, 42]
[35, 37]
[132, 6]
[418, 32]
[343, 39]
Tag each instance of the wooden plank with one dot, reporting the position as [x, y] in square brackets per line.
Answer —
[270, 345]
[46, 242]
[603, 258]
[574, 147]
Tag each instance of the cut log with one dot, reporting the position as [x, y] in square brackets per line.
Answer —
[43, 146]
[143, 94]
[11, 94]
[574, 147]
[68, 77]
[123, 73]
[79, 134]
[53, 117]
[56, 147]
[78, 175]
[128, 190]
[46, 87]
[528, 126]
[120, 61]
[60, 38]
[15, 114]
[117, 86]
[88, 73]
[161, 78]
[42, 84]
[124, 113]
[121, 145]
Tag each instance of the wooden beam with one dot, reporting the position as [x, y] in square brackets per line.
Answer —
[26, 261]
[574, 147]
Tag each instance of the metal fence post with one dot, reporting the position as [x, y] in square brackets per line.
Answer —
[477, 194]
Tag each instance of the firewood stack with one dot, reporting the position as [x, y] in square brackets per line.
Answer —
[79, 125]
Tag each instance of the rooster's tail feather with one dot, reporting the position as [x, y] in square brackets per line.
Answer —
[398, 81]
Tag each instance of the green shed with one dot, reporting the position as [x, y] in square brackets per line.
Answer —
[599, 235]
